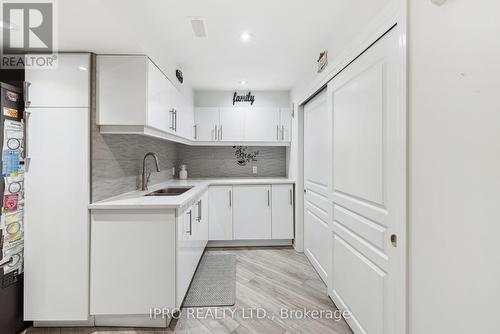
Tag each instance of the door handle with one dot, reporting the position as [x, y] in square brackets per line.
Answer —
[394, 240]
[268, 198]
[195, 131]
[230, 199]
[291, 197]
[277, 132]
[282, 132]
[220, 132]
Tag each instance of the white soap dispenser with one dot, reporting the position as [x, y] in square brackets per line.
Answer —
[183, 174]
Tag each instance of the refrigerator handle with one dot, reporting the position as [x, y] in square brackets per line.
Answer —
[26, 93]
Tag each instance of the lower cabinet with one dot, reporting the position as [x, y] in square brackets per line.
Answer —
[143, 259]
[220, 212]
[192, 238]
[282, 215]
[251, 212]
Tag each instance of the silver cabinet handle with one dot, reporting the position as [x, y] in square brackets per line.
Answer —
[195, 131]
[190, 213]
[199, 210]
[3, 263]
[171, 111]
[282, 132]
[277, 132]
[291, 197]
[220, 132]
[268, 198]
[26, 93]
[215, 132]
[175, 120]
[27, 115]
[230, 199]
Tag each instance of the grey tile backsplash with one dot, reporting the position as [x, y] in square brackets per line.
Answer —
[117, 162]
[220, 161]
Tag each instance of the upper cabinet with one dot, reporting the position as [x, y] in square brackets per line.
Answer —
[259, 125]
[67, 86]
[262, 124]
[134, 96]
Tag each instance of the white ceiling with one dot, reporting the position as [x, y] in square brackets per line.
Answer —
[287, 35]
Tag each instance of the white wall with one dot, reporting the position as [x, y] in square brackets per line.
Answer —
[454, 87]
[223, 98]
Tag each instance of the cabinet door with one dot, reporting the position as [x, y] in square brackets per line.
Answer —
[220, 212]
[252, 212]
[122, 97]
[64, 86]
[206, 122]
[232, 124]
[282, 216]
[262, 124]
[159, 112]
[286, 124]
[186, 250]
[184, 117]
[58, 140]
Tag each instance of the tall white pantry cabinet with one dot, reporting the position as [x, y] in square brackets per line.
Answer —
[57, 191]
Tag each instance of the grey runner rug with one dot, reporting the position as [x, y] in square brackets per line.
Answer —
[214, 283]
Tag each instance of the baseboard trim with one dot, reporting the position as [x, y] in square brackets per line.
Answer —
[131, 320]
[249, 243]
[80, 323]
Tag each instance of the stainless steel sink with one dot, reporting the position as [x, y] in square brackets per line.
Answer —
[170, 191]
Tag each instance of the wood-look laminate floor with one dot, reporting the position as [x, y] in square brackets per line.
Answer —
[268, 279]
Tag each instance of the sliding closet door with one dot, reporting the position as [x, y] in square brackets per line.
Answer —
[317, 171]
[369, 192]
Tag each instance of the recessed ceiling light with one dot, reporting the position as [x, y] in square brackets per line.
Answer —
[243, 82]
[82, 68]
[245, 36]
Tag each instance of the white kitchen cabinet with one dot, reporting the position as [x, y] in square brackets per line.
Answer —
[220, 212]
[231, 124]
[144, 258]
[206, 123]
[56, 264]
[67, 85]
[186, 252]
[48, 294]
[243, 124]
[262, 124]
[252, 212]
[282, 211]
[160, 95]
[185, 116]
[134, 96]
[132, 261]
[286, 124]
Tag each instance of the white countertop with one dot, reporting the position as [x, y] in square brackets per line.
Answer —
[137, 200]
